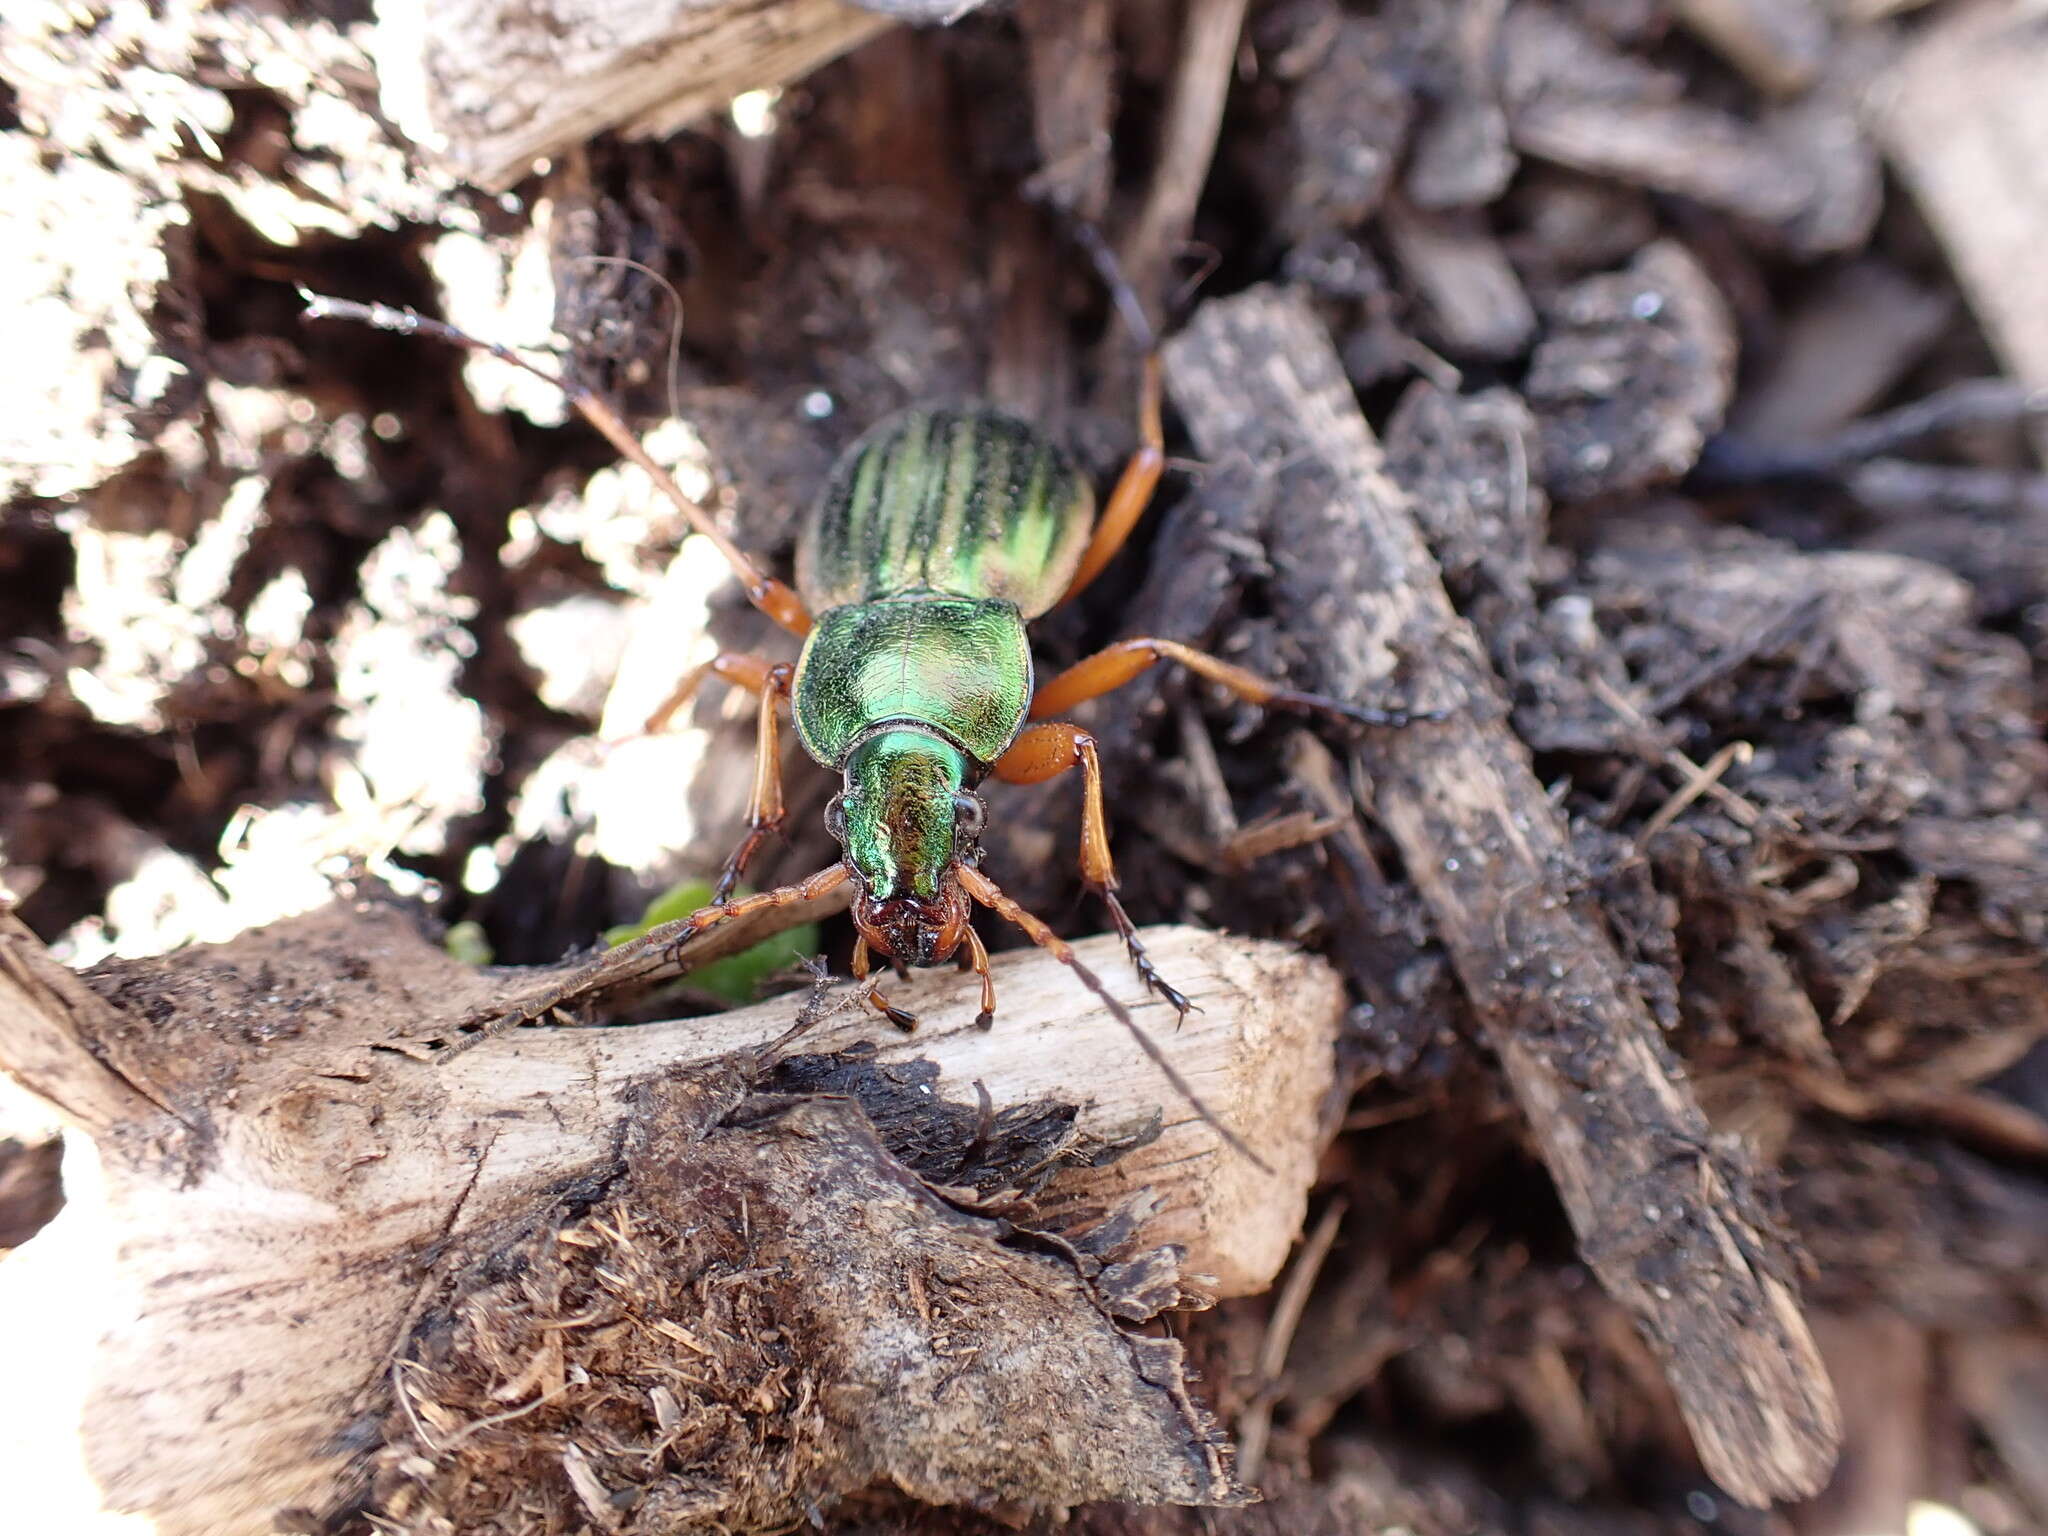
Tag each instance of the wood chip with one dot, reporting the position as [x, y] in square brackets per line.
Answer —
[1965, 119]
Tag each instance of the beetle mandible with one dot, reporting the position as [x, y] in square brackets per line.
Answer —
[939, 535]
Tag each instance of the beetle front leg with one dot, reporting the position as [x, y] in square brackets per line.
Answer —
[673, 936]
[765, 809]
[1046, 751]
[977, 961]
[1113, 666]
[770, 682]
[753, 673]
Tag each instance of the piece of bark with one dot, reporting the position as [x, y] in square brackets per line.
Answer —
[1918, 1225]
[1676, 147]
[1661, 1208]
[1573, 99]
[1565, 225]
[1072, 54]
[1472, 300]
[1821, 136]
[31, 1188]
[1964, 118]
[1846, 343]
[1779, 44]
[1632, 376]
[1348, 119]
[1462, 158]
[503, 85]
[325, 1262]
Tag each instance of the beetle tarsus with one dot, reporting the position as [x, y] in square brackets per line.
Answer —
[1140, 960]
[902, 1018]
[736, 865]
[863, 965]
[1352, 714]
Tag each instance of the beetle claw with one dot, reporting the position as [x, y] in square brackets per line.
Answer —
[1142, 962]
[1352, 714]
[902, 1018]
[1149, 974]
[736, 865]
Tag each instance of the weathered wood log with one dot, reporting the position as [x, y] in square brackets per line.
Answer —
[326, 1274]
[1659, 1205]
[504, 85]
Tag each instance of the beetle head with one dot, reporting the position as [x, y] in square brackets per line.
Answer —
[906, 820]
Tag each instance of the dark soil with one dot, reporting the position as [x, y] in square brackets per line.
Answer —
[306, 570]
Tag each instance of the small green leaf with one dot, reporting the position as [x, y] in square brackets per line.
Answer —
[466, 942]
[737, 978]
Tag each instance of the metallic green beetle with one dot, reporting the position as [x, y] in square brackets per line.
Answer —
[939, 536]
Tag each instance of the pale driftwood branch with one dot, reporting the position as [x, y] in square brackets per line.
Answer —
[506, 84]
[318, 1270]
[1660, 1208]
[49, 1023]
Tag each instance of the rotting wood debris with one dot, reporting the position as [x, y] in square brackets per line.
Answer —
[1702, 501]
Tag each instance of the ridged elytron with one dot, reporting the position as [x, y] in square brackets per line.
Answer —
[939, 536]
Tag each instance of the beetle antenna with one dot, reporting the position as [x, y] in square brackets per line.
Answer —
[1121, 293]
[675, 324]
[990, 895]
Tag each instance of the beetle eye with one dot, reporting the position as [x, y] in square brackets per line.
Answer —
[835, 817]
[969, 816]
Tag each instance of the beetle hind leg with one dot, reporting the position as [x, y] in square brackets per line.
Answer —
[766, 812]
[1112, 667]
